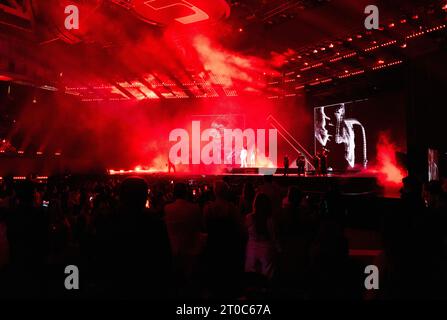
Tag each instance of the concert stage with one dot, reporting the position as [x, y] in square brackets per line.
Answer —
[349, 184]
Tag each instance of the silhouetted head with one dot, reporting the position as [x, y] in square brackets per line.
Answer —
[249, 191]
[25, 192]
[294, 196]
[268, 178]
[133, 193]
[180, 191]
[221, 189]
[262, 205]
[262, 209]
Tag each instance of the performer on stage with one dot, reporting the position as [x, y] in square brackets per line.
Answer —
[286, 165]
[301, 163]
[317, 164]
[244, 154]
[253, 158]
[323, 161]
[171, 166]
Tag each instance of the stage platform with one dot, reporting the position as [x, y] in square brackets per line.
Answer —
[347, 183]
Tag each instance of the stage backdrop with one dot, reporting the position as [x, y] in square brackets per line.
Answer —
[127, 135]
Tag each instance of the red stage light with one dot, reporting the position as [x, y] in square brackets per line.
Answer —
[5, 78]
[390, 172]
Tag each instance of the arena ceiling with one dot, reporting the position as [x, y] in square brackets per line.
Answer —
[175, 49]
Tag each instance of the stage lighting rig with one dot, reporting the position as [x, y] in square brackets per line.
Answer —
[96, 17]
[184, 12]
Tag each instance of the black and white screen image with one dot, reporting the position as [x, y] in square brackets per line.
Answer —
[350, 131]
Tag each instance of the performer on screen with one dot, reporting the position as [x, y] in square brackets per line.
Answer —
[345, 134]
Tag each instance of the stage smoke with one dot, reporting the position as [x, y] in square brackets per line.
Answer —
[389, 172]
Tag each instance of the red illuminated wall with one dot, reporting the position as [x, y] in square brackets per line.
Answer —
[122, 135]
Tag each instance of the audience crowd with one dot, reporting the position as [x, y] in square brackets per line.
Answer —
[135, 238]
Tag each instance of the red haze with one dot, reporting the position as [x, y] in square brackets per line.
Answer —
[387, 169]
